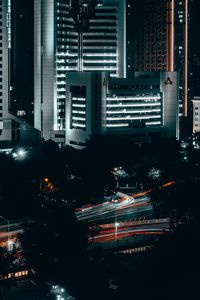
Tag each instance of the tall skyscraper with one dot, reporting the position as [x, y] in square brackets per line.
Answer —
[5, 37]
[73, 36]
[194, 50]
[21, 81]
[130, 8]
[161, 40]
[16, 71]
[181, 46]
[194, 75]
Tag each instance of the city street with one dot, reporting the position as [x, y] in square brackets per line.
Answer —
[120, 230]
[125, 208]
[11, 232]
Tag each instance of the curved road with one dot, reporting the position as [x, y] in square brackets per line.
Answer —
[124, 208]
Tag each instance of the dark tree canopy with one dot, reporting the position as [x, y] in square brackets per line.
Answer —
[53, 244]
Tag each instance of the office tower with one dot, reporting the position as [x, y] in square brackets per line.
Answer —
[139, 107]
[194, 75]
[130, 8]
[1, 66]
[161, 40]
[16, 77]
[196, 114]
[15, 71]
[73, 36]
[5, 37]
[181, 46]
[194, 50]
[154, 40]
[21, 81]
[194, 93]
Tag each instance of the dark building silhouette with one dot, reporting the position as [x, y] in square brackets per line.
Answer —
[160, 40]
[130, 8]
[22, 62]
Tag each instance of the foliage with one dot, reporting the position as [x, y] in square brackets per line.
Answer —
[80, 175]
[179, 200]
[53, 244]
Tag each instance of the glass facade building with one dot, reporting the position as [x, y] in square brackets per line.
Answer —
[73, 36]
[160, 40]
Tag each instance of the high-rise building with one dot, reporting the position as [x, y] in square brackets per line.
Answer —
[194, 50]
[194, 75]
[5, 37]
[73, 36]
[16, 73]
[181, 46]
[160, 30]
[21, 79]
[196, 114]
[138, 107]
[130, 8]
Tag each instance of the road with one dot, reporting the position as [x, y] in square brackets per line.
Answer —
[124, 208]
[14, 229]
[109, 232]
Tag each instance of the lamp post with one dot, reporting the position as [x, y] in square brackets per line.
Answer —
[116, 223]
[116, 226]
[42, 181]
[8, 225]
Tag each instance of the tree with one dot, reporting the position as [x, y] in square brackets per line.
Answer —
[54, 244]
[180, 201]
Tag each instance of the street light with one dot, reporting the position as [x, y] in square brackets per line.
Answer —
[43, 180]
[20, 154]
[10, 246]
[116, 223]
[116, 226]
[8, 225]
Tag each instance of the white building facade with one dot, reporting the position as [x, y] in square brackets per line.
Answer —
[71, 36]
[143, 106]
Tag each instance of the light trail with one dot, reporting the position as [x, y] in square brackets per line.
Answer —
[122, 205]
[127, 233]
[107, 232]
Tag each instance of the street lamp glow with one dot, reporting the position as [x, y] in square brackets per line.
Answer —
[116, 226]
[10, 246]
[21, 153]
